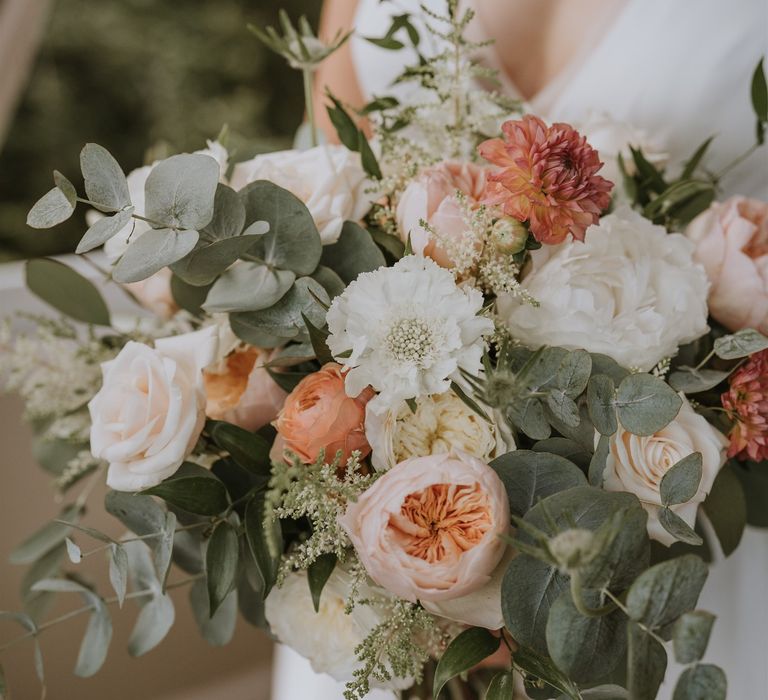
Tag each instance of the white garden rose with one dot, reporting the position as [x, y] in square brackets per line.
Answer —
[328, 637]
[150, 410]
[439, 423]
[329, 179]
[638, 463]
[630, 291]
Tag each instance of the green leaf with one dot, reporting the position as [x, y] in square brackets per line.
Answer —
[528, 590]
[468, 401]
[264, 544]
[759, 93]
[229, 217]
[646, 404]
[163, 548]
[646, 664]
[355, 252]
[367, 157]
[98, 633]
[73, 551]
[648, 173]
[690, 635]
[530, 476]
[385, 42]
[249, 450]
[691, 380]
[51, 209]
[679, 196]
[151, 252]
[209, 259]
[740, 344]
[219, 628]
[566, 448]
[539, 667]
[573, 374]
[587, 649]
[104, 229]
[292, 242]
[330, 281]
[180, 191]
[681, 481]
[248, 287]
[346, 129]
[105, 183]
[195, 494]
[701, 682]
[285, 319]
[598, 461]
[221, 559]
[602, 692]
[318, 574]
[319, 339]
[667, 590]
[67, 291]
[30, 626]
[188, 296]
[726, 508]
[678, 528]
[45, 539]
[465, 651]
[388, 242]
[142, 515]
[563, 408]
[3, 685]
[693, 162]
[601, 402]
[501, 687]
[530, 417]
[602, 364]
[118, 571]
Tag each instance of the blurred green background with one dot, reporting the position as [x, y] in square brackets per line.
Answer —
[141, 77]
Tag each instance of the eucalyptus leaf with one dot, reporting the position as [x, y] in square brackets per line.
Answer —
[690, 635]
[105, 182]
[195, 494]
[598, 461]
[180, 192]
[249, 330]
[566, 448]
[188, 296]
[741, 344]
[229, 217]
[318, 574]
[563, 407]
[726, 508]
[30, 626]
[45, 538]
[681, 481]
[701, 682]
[646, 404]
[154, 622]
[388, 243]
[208, 259]
[353, 253]
[667, 590]
[293, 242]
[601, 402]
[466, 650]
[219, 628]
[530, 417]
[142, 515]
[73, 551]
[248, 287]
[118, 571]
[264, 544]
[573, 374]
[66, 291]
[104, 229]
[602, 364]
[330, 281]
[163, 548]
[151, 252]
[678, 528]
[51, 209]
[691, 381]
[646, 664]
[221, 560]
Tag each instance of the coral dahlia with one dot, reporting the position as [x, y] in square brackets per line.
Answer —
[547, 177]
[747, 402]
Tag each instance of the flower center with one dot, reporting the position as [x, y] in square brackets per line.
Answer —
[443, 520]
[411, 340]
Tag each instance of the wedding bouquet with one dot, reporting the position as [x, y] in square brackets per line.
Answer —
[444, 409]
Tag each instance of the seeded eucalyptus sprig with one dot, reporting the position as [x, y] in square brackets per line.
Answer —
[303, 50]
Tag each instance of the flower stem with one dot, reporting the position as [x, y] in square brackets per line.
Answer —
[578, 599]
[307, 75]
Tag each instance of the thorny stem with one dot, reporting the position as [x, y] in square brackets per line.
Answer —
[108, 601]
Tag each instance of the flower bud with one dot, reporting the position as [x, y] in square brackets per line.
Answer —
[572, 548]
[509, 235]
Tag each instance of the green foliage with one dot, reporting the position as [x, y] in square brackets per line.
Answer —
[318, 574]
[690, 635]
[502, 686]
[741, 344]
[153, 251]
[104, 229]
[692, 381]
[264, 544]
[726, 508]
[221, 560]
[67, 291]
[51, 209]
[465, 651]
[249, 450]
[680, 483]
[248, 287]
[46, 538]
[219, 628]
[646, 663]
[701, 682]
[353, 253]
[646, 404]
[759, 94]
[202, 495]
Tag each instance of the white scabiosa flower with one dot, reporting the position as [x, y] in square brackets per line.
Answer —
[406, 330]
[630, 291]
[439, 423]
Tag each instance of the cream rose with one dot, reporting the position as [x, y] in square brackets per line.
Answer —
[441, 422]
[731, 241]
[630, 291]
[429, 529]
[150, 410]
[637, 464]
[328, 637]
[329, 179]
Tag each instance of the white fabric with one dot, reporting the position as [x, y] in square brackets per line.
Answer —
[680, 69]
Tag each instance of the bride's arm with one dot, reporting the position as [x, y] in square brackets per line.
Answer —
[337, 73]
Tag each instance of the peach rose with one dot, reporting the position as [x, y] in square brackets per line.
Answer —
[429, 529]
[154, 293]
[240, 390]
[432, 197]
[318, 415]
[731, 241]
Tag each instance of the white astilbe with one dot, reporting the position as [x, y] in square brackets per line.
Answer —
[407, 330]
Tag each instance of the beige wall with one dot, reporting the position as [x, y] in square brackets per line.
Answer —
[182, 667]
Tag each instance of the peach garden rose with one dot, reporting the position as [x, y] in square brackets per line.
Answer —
[318, 415]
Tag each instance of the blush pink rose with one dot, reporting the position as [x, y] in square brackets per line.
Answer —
[731, 241]
[240, 390]
[432, 197]
[154, 293]
[429, 529]
[318, 415]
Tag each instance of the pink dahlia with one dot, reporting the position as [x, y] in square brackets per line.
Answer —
[546, 176]
[747, 402]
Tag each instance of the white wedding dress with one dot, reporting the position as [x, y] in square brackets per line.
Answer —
[679, 70]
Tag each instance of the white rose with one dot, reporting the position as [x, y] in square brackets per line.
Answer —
[637, 464]
[612, 139]
[329, 179]
[150, 410]
[441, 422]
[630, 291]
[326, 638]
